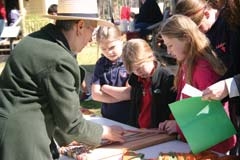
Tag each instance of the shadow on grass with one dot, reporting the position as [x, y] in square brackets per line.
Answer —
[91, 104]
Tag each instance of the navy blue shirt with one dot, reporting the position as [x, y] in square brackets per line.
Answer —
[225, 43]
[149, 13]
[219, 39]
[113, 74]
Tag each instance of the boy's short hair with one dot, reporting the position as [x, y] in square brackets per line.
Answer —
[52, 9]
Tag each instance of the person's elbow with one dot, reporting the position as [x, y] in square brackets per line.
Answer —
[95, 96]
[128, 93]
[95, 91]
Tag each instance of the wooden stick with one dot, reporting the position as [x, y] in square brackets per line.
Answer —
[153, 130]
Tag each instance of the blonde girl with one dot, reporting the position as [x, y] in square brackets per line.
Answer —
[151, 85]
[109, 82]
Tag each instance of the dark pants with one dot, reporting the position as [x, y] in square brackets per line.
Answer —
[142, 27]
[235, 117]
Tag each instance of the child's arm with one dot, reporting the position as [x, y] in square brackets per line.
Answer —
[120, 93]
[99, 95]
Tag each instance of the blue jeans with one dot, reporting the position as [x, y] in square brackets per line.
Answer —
[2, 24]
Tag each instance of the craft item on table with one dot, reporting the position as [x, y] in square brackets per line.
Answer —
[134, 139]
[132, 155]
[229, 157]
[205, 155]
[86, 111]
[137, 135]
[189, 156]
[77, 151]
[106, 142]
[144, 130]
[203, 123]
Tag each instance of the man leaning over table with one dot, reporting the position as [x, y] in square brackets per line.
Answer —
[39, 87]
[223, 88]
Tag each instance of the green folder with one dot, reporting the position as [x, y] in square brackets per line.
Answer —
[203, 123]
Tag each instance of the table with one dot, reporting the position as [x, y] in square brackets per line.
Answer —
[10, 32]
[149, 152]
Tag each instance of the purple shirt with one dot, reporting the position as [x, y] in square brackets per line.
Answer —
[13, 16]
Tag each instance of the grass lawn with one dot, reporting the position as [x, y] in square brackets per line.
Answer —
[87, 58]
[2, 64]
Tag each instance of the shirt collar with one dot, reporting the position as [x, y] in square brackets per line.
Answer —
[56, 36]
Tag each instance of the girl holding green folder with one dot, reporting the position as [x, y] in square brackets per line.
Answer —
[198, 66]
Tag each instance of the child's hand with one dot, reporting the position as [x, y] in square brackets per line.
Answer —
[170, 126]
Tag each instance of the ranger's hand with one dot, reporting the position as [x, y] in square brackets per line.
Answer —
[113, 133]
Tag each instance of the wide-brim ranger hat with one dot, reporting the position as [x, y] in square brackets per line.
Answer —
[79, 9]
